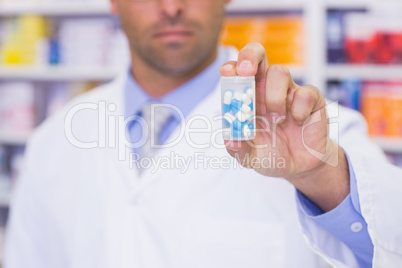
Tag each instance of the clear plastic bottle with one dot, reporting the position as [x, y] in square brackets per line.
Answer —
[238, 107]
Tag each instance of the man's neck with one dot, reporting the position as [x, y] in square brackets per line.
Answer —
[157, 84]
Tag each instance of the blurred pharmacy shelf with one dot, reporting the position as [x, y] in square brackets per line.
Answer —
[54, 8]
[390, 145]
[364, 72]
[58, 73]
[13, 138]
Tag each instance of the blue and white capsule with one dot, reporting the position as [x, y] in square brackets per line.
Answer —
[233, 121]
[227, 99]
[235, 106]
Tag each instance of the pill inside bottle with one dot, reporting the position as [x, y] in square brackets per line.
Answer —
[238, 107]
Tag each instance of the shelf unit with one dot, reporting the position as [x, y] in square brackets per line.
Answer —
[366, 71]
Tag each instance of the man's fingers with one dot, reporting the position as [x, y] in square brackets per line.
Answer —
[278, 84]
[306, 100]
[252, 61]
[250, 58]
[228, 69]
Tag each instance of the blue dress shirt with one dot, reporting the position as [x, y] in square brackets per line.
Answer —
[344, 222]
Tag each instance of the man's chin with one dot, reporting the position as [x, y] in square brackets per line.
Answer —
[175, 46]
[176, 69]
[174, 59]
[176, 64]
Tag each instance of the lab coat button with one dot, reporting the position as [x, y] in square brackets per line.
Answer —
[356, 227]
[135, 200]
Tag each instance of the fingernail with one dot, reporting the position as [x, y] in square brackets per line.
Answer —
[227, 66]
[245, 66]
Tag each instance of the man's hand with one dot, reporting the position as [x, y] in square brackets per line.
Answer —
[291, 125]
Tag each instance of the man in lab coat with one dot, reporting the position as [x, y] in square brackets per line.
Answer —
[86, 198]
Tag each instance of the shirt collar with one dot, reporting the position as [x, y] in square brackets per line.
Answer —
[185, 97]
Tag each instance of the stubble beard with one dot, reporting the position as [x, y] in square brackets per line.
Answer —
[174, 59]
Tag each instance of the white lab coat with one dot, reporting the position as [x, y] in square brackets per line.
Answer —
[81, 208]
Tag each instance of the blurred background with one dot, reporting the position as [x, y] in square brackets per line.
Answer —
[53, 50]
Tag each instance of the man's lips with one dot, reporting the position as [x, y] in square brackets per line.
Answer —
[174, 35]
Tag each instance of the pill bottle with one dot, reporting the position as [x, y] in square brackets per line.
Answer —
[238, 107]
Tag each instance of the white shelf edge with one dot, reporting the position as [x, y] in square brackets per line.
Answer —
[85, 74]
[54, 8]
[245, 6]
[389, 145]
[349, 4]
[103, 8]
[370, 72]
[58, 73]
[14, 138]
